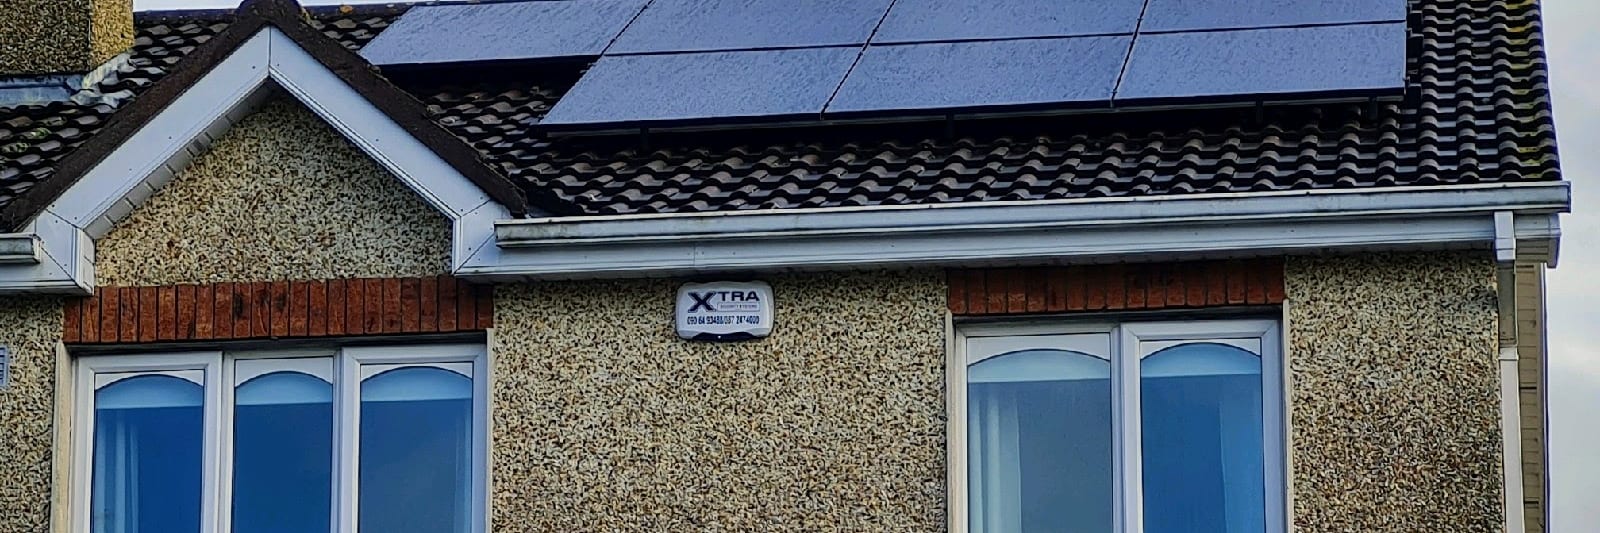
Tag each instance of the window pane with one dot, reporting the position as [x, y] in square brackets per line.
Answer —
[282, 454]
[1202, 440]
[147, 456]
[415, 451]
[1039, 443]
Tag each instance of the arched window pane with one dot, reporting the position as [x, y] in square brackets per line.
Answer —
[147, 456]
[1039, 443]
[1202, 440]
[283, 454]
[416, 451]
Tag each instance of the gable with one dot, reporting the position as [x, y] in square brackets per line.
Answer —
[267, 51]
[279, 196]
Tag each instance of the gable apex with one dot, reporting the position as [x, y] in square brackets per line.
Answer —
[269, 48]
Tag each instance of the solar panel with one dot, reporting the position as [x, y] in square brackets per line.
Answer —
[1184, 15]
[501, 31]
[704, 25]
[949, 20]
[682, 89]
[1313, 62]
[982, 75]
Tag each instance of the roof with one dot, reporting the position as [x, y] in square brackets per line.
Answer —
[1478, 111]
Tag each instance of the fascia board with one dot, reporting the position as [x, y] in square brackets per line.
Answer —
[168, 133]
[64, 249]
[1232, 225]
[45, 257]
[1554, 197]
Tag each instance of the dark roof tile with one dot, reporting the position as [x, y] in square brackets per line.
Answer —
[1478, 112]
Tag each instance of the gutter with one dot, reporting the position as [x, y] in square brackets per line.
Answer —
[1105, 229]
[19, 249]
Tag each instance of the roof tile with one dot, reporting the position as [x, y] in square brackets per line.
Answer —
[1478, 112]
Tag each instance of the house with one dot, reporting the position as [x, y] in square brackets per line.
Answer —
[675, 265]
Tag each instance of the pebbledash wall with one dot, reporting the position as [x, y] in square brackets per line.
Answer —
[603, 419]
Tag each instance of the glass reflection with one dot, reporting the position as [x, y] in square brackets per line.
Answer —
[147, 456]
[415, 451]
[1202, 440]
[283, 454]
[1039, 443]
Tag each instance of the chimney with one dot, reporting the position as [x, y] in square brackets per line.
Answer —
[53, 43]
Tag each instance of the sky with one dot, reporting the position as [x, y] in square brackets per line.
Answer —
[1574, 321]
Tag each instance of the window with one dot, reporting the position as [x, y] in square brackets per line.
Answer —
[1124, 428]
[376, 439]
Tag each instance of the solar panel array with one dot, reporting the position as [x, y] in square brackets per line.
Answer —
[664, 63]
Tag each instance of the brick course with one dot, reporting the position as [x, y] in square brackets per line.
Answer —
[281, 309]
[1117, 287]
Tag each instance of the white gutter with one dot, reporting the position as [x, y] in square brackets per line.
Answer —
[19, 249]
[1002, 232]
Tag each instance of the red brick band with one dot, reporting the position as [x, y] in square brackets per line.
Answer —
[1012, 291]
[282, 309]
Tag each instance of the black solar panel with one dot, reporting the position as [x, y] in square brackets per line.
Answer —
[1244, 64]
[982, 76]
[951, 20]
[704, 25]
[1187, 15]
[501, 31]
[686, 88]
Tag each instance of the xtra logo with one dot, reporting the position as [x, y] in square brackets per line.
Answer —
[721, 301]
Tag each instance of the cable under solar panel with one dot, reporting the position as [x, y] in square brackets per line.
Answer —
[501, 31]
[685, 89]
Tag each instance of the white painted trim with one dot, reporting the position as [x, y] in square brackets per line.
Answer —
[220, 378]
[58, 265]
[353, 363]
[1001, 232]
[163, 147]
[1511, 440]
[245, 369]
[1505, 236]
[90, 368]
[1127, 343]
[1143, 339]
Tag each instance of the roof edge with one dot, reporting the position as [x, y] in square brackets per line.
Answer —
[1099, 230]
[289, 17]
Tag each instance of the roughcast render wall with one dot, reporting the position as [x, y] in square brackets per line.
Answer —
[30, 327]
[1395, 405]
[281, 196]
[604, 420]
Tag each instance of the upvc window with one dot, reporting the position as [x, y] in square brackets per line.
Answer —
[375, 439]
[1164, 427]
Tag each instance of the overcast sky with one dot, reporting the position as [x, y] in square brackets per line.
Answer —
[1573, 288]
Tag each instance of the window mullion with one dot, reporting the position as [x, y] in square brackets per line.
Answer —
[1274, 389]
[212, 455]
[223, 451]
[1130, 474]
[346, 424]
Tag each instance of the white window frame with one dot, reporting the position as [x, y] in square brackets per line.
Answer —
[1130, 343]
[216, 369]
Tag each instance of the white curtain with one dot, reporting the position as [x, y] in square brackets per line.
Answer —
[141, 422]
[1005, 394]
[994, 469]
